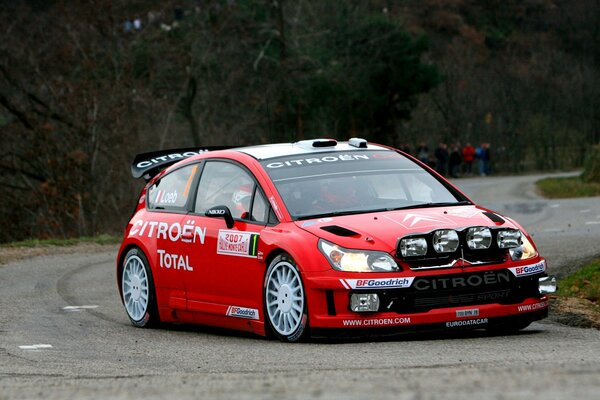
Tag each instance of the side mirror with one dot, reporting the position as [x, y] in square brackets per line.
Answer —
[221, 212]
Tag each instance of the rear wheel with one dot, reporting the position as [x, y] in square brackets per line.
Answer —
[137, 289]
[285, 300]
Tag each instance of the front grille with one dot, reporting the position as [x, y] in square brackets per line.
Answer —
[428, 293]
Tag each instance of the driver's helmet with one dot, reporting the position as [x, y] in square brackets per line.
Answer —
[241, 198]
[340, 193]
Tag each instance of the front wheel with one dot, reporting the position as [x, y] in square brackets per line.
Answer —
[137, 290]
[285, 300]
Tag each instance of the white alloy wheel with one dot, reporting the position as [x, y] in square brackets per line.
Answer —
[135, 287]
[284, 298]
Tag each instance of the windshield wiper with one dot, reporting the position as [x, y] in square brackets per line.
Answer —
[352, 212]
[441, 204]
[340, 213]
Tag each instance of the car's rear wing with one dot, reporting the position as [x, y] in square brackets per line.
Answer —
[150, 164]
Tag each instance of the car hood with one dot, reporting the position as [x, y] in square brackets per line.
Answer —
[381, 230]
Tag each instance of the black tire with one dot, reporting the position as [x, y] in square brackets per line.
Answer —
[284, 298]
[137, 290]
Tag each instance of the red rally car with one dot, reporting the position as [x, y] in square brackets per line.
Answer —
[317, 237]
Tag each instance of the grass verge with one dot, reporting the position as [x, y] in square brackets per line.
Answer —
[577, 302]
[562, 188]
[101, 239]
[15, 251]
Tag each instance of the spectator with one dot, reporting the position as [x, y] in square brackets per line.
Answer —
[483, 154]
[128, 26]
[423, 153]
[405, 148]
[468, 155]
[441, 157]
[455, 160]
[137, 24]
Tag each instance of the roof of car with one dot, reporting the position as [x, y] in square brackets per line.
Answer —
[267, 151]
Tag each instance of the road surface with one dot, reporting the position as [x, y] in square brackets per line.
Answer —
[64, 334]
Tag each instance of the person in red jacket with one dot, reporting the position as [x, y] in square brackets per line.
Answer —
[468, 154]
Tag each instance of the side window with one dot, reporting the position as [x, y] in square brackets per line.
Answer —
[260, 208]
[172, 190]
[225, 184]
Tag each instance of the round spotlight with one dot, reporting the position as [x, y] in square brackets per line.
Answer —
[479, 237]
[509, 239]
[445, 241]
[413, 247]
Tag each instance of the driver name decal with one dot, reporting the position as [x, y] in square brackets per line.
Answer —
[236, 243]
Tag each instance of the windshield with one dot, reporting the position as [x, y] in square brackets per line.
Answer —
[352, 182]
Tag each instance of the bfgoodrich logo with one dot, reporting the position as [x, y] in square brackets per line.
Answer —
[242, 312]
[377, 283]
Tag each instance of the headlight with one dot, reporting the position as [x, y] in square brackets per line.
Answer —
[509, 238]
[524, 251]
[413, 247]
[479, 237]
[445, 241]
[350, 260]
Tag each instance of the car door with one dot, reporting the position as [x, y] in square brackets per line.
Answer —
[229, 274]
[170, 239]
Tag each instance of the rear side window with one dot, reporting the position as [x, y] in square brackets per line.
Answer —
[171, 192]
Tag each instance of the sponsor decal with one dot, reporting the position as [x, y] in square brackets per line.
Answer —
[377, 322]
[533, 307]
[168, 157]
[499, 295]
[242, 312]
[325, 220]
[384, 283]
[308, 223]
[236, 243]
[142, 199]
[174, 261]
[467, 322]
[216, 211]
[473, 312]
[454, 282]
[175, 232]
[275, 207]
[318, 160]
[532, 269]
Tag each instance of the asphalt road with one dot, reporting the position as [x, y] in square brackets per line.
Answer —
[93, 351]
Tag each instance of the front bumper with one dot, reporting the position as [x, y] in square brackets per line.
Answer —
[445, 300]
[478, 316]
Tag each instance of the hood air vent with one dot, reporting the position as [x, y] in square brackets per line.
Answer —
[339, 231]
[494, 217]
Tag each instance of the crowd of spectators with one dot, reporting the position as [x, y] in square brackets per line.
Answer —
[454, 160]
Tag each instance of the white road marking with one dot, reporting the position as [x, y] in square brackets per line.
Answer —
[553, 230]
[79, 308]
[554, 205]
[585, 211]
[36, 347]
[592, 223]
